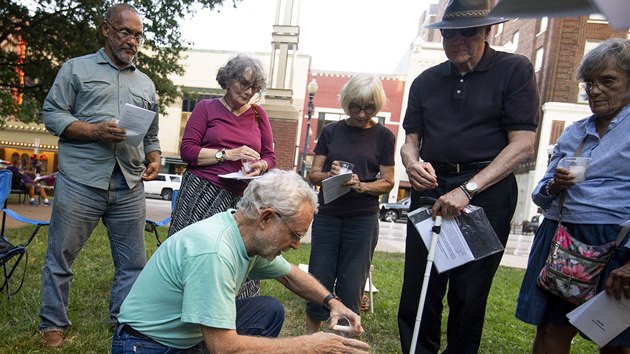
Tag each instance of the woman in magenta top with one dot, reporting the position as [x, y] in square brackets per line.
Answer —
[219, 135]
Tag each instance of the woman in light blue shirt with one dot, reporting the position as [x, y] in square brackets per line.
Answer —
[593, 208]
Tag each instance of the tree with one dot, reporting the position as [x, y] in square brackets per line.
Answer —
[37, 36]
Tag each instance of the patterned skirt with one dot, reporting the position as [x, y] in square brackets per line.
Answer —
[199, 199]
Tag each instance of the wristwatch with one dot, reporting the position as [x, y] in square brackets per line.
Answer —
[326, 302]
[220, 155]
[470, 188]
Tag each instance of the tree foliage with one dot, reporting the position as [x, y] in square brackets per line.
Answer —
[54, 31]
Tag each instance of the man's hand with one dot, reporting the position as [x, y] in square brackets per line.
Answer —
[618, 282]
[108, 132]
[322, 342]
[422, 176]
[451, 203]
[153, 166]
[339, 310]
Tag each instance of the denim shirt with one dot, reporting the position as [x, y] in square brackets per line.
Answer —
[93, 90]
[604, 196]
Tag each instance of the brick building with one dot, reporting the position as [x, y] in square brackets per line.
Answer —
[555, 46]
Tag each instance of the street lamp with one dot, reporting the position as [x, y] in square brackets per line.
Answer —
[312, 89]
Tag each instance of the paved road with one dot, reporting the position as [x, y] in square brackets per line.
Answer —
[391, 237]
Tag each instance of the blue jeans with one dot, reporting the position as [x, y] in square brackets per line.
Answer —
[260, 316]
[341, 254]
[76, 212]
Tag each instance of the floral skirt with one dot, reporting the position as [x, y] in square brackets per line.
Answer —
[537, 306]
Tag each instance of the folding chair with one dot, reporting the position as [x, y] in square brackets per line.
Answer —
[11, 255]
[152, 226]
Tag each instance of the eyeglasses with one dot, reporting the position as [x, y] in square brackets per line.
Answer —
[369, 109]
[296, 236]
[245, 85]
[125, 35]
[465, 32]
[601, 84]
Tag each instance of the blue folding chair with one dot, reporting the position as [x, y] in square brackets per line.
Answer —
[152, 226]
[11, 255]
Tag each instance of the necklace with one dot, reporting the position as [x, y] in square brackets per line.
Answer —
[227, 104]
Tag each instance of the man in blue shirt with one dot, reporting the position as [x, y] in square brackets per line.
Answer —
[100, 174]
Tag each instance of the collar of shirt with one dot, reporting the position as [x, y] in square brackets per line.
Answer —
[103, 58]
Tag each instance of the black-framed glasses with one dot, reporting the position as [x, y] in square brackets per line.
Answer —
[465, 32]
[369, 109]
[246, 85]
[601, 84]
[296, 236]
[125, 35]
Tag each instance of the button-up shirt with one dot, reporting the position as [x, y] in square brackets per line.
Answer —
[604, 196]
[92, 89]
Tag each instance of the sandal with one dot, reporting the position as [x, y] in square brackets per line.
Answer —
[365, 303]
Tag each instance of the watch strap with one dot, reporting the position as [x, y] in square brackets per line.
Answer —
[326, 301]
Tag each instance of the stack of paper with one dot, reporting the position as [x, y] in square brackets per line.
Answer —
[601, 318]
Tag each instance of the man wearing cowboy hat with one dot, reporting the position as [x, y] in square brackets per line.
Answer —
[470, 122]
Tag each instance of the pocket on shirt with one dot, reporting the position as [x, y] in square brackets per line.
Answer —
[141, 98]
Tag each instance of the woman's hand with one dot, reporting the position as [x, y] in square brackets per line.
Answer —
[254, 168]
[618, 282]
[562, 179]
[242, 153]
[355, 184]
[335, 168]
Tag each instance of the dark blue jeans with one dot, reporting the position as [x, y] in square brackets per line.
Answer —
[341, 254]
[261, 316]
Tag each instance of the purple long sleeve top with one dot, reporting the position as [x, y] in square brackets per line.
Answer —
[212, 126]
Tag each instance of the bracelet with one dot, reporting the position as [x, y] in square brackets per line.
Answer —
[264, 167]
[465, 191]
[546, 189]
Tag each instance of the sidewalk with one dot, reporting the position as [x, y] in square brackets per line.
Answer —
[391, 235]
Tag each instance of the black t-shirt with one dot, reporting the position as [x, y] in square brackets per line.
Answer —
[463, 119]
[367, 149]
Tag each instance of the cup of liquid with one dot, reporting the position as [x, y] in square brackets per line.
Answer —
[576, 165]
[345, 166]
[342, 328]
[247, 168]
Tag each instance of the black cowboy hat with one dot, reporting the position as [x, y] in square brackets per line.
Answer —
[466, 14]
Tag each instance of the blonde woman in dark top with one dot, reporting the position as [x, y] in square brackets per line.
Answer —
[345, 231]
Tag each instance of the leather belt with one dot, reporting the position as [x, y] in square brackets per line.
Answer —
[454, 168]
[129, 330]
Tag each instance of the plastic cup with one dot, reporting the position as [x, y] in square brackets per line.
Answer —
[246, 166]
[345, 166]
[576, 165]
[342, 328]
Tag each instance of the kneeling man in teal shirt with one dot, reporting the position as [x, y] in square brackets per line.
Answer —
[185, 298]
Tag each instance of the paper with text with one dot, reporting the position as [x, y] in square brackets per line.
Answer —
[332, 186]
[137, 122]
[462, 239]
[601, 318]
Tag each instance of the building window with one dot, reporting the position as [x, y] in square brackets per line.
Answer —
[189, 102]
[597, 18]
[515, 38]
[540, 53]
[499, 29]
[588, 46]
[544, 22]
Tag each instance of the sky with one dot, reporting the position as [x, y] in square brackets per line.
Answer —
[339, 35]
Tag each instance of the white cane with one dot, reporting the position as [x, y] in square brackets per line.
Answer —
[437, 225]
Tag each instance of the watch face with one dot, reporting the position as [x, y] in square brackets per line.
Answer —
[219, 154]
[471, 186]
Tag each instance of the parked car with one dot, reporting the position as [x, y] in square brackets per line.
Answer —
[532, 225]
[163, 185]
[395, 211]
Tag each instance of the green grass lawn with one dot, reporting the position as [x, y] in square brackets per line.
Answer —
[91, 332]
